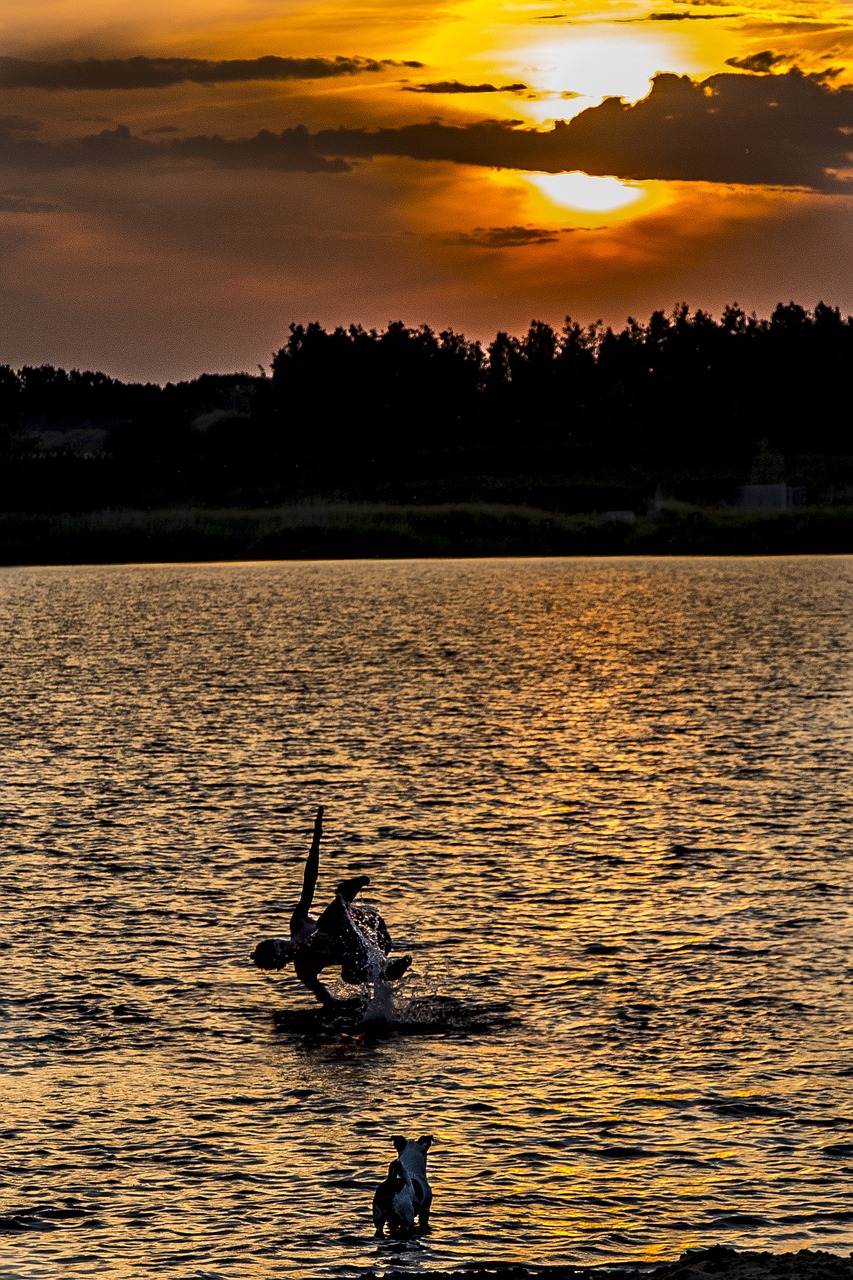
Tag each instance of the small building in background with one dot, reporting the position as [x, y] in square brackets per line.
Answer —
[769, 497]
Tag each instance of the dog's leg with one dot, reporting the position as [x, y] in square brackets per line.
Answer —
[380, 1212]
[395, 969]
[424, 1202]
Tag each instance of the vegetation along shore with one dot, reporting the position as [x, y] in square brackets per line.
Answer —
[684, 434]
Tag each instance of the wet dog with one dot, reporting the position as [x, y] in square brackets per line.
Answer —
[405, 1194]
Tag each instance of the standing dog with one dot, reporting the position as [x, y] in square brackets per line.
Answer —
[405, 1194]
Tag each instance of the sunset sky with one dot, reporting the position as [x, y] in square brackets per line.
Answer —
[181, 182]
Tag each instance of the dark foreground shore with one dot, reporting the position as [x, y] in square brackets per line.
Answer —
[717, 1263]
[336, 531]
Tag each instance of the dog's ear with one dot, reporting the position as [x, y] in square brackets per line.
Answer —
[425, 1142]
[399, 1142]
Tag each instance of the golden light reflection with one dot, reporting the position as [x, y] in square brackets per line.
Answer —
[499, 231]
[581, 191]
[455, 205]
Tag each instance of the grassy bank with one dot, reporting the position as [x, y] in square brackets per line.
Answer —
[351, 531]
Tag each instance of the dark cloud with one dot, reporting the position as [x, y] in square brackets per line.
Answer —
[762, 63]
[161, 73]
[503, 237]
[777, 130]
[292, 150]
[455, 86]
[19, 124]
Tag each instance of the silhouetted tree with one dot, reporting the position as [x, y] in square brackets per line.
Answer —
[584, 417]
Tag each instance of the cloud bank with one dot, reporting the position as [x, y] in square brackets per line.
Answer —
[292, 150]
[775, 130]
[162, 73]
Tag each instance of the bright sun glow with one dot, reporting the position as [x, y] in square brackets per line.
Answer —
[591, 67]
[580, 191]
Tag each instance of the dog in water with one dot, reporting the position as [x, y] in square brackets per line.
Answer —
[405, 1194]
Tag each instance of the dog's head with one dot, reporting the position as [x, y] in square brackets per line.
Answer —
[413, 1152]
[424, 1142]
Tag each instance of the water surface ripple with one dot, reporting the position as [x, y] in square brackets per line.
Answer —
[609, 798]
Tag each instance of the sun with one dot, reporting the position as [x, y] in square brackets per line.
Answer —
[588, 194]
[570, 73]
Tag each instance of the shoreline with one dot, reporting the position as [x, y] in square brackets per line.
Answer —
[717, 1262]
[387, 531]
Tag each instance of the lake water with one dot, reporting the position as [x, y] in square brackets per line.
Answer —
[606, 806]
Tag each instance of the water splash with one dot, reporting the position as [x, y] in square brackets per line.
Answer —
[381, 1005]
[389, 1009]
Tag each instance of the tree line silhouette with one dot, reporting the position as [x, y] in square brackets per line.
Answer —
[584, 418]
